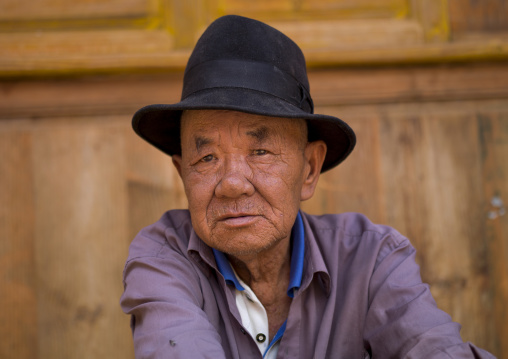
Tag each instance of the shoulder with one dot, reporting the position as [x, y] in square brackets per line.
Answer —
[349, 235]
[173, 230]
[350, 225]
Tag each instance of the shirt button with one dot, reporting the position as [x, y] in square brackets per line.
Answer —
[260, 338]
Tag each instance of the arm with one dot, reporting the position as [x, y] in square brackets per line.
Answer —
[164, 297]
[403, 320]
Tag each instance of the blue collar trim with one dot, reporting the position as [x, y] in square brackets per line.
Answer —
[296, 273]
[277, 336]
[297, 254]
[226, 270]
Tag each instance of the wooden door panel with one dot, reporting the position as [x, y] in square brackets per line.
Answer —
[49, 37]
[476, 17]
[338, 9]
[433, 171]
[81, 225]
[354, 186]
[38, 10]
[76, 184]
[18, 285]
[493, 130]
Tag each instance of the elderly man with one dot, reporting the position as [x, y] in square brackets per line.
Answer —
[243, 273]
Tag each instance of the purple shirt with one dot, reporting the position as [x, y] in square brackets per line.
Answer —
[361, 295]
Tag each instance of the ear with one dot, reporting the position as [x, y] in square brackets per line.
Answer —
[315, 153]
[177, 162]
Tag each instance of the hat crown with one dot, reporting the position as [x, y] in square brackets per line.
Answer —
[236, 38]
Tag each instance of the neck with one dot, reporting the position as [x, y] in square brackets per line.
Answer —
[268, 268]
[267, 274]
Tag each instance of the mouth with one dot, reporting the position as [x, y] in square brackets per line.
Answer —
[238, 219]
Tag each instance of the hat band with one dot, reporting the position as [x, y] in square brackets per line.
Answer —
[256, 76]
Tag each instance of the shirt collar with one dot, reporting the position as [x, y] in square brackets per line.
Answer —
[297, 256]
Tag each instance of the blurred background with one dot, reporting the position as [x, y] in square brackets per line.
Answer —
[424, 83]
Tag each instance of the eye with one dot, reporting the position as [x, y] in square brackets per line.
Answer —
[260, 152]
[207, 158]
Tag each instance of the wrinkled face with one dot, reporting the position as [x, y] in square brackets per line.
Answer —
[244, 177]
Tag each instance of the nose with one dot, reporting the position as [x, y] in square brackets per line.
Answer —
[235, 179]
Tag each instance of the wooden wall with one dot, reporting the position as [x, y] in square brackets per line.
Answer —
[423, 83]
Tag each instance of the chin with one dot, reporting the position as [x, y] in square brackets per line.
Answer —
[242, 245]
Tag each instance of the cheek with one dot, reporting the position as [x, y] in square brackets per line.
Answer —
[280, 188]
[199, 191]
[285, 175]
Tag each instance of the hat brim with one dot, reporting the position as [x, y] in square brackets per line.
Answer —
[159, 124]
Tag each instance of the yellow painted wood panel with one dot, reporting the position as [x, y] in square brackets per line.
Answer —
[78, 51]
[18, 332]
[338, 9]
[34, 10]
[153, 51]
[363, 8]
[139, 35]
[188, 19]
[433, 15]
[82, 44]
[81, 229]
[334, 35]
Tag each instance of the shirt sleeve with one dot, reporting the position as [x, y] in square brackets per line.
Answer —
[163, 296]
[403, 320]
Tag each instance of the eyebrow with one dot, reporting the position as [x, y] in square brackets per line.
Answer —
[260, 133]
[201, 141]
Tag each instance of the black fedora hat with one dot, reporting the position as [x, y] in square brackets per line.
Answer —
[242, 64]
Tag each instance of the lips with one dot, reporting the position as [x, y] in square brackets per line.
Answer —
[225, 216]
[237, 219]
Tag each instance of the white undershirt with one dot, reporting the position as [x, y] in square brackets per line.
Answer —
[255, 319]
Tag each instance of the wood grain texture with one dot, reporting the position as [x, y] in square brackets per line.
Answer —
[298, 9]
[90, 95]
[158, 36]
[433, 15]
[494, 152]
[432, 171]
[154, 185]
[59, 10]
[76, 184]
[18, 287]
[430, 158]
[81, 225]
[187, 20]
[434, 183]
[409, 84]
[340, 35]
[82, 44]
[470, 16]
[355, 185]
